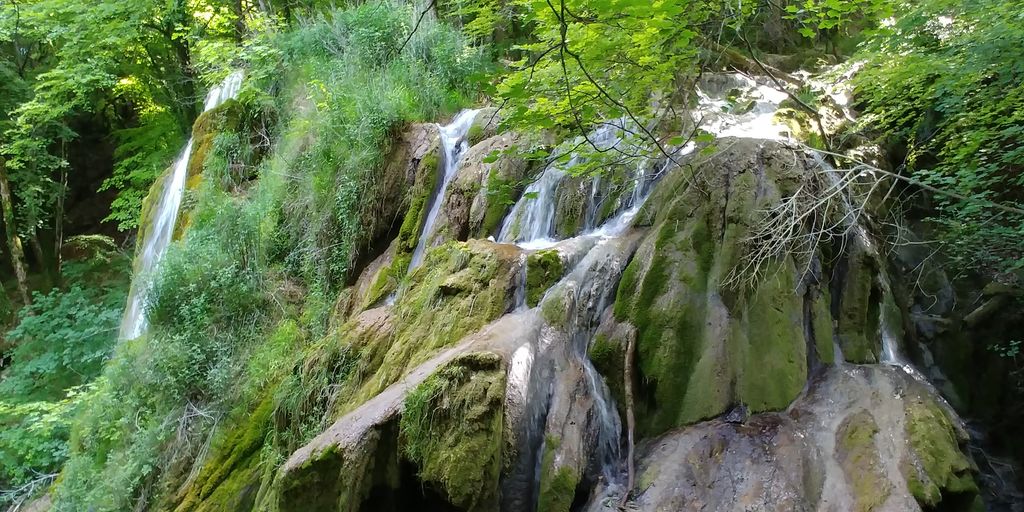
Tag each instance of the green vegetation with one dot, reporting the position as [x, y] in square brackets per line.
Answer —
[858, 456]
[940, 85]
[259, 334]
[544, 268]
[456, 416]
[60, 345]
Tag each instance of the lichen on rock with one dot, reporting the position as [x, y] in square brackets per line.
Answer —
[858, 455]
[705, 344]
[937, 468]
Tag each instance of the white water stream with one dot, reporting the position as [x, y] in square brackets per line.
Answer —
[454, 144]
[163, 219]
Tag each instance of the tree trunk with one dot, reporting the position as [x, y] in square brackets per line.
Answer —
[236, 5]
[13, 242]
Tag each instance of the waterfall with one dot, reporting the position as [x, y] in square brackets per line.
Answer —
[454, 144]
[530, 224]
[164, 217]
[733, 105]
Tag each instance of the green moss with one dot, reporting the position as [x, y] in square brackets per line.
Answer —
[858, 456]
[821, 322]
[557, 492]
[543, 269]
[149, 205]
[608, 356]
[775, 366]
[452, 428]
[938, 468]
[858, 320]
[668, 310]
[610, 204]
[388, 279]
[501, 194]
[557, 485]
[460, 287]
[230, 476]
[570, 207]
[554, 309]
[475, 134]
[703, 346]
[225, 118]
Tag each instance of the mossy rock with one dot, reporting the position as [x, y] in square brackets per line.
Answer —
[225, 118]
[572, 198]
[491, 175]
[452, 428]
[460, 287]
[704, 342]
[543, 269]
[857, 454]
[858, 328]
[486, 124]
[938, 469]
[557, 484]
[231, 477]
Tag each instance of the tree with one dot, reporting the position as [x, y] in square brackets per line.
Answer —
[11, 236]
[943, 85]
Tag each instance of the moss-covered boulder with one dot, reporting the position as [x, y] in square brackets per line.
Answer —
[543, 269]
[857, 440]
[486, 124]
[707, 337]
[460, 288]
[858, 456]
[859, 309]
[452, 428]
[937, 469]
[484, 189]
[586, 202]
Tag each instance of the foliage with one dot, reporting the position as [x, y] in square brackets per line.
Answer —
[60, 342]
[815, 16]
[206, 308]
[61, 338]
[592, 60]
[939, 81]
[362, 90]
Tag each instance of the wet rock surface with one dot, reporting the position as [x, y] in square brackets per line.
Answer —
[849, 444]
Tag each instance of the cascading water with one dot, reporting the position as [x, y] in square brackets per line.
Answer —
[164, 218]
[454, 144]
[734, 105]
[530, 224]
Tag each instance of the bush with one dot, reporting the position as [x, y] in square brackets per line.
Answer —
[60, 343]
[362, 90]
[939, 84]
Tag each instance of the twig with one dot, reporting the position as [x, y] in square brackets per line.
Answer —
[414, 28]
[627, 376]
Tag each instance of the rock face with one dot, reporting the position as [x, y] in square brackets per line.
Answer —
[505, 377]
[705, 343]
[483, 190]
[857, 441]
